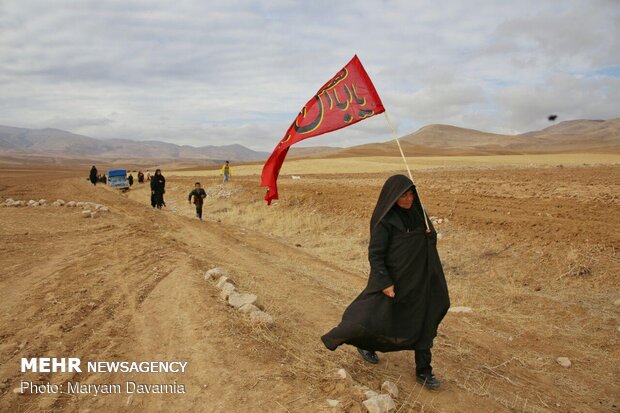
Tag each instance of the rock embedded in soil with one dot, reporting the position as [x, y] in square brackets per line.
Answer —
[460, 310]
[370, 394]
[382, 403]
[564, 362]
[94, 214]
[238, 300]
[248, 308]
[227, 290]
[390, 388]
[70, 204]
[223, 280]
[333, 403]
[261, 317]
[214, 273]
[86, 214]
[342, 373]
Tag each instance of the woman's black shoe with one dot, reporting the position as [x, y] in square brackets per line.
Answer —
[369, 356]
[428, 380]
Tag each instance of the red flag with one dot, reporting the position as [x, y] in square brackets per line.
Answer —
[344, 100]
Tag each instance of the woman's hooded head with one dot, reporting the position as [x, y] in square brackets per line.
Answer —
[393, 188]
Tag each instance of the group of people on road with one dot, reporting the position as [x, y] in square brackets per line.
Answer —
[157, 184]
[94, 177]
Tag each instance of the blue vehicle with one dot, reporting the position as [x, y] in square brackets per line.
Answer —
[117, 178]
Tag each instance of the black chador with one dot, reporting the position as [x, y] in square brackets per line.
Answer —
[158, 189]
[404, 254]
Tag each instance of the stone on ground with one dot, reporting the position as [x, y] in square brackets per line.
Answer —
[238, 300]
[42, 201]
[390, 388]
[223, 280]
[248, 308]
[564, 362]
[60, 202]
[333, 403]
[86, 214]
[261, 317]
[71, 204]
[227, 290]
[342, 373]
[382, 403]
[94, 214]
[460, 310]
[214, 273]
[370, 394]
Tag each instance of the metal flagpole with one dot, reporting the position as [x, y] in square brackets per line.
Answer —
[400, 148]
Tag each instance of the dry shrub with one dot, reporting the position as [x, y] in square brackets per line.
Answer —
[579, 264]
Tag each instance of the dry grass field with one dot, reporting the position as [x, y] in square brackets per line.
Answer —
[530, 243]
[378, 164]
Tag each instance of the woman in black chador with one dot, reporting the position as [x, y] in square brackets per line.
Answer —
[406, 297]
[93, 176]
[158, 189]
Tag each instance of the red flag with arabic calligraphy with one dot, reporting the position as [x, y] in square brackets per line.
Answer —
[345, 99]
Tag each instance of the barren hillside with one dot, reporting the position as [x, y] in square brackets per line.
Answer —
[432, 140]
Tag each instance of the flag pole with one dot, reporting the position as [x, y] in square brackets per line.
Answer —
[402, 154]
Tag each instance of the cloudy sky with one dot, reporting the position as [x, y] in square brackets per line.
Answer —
[221, 72]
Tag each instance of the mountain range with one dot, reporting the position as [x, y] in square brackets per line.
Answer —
[601, 136]
[58, 142]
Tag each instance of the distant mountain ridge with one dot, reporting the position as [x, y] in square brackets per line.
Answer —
[436, 140]
[432, 140]
[59, 142]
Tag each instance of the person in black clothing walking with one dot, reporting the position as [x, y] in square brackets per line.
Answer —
[158, 189]
[406, 296]
[130, 179]
[93, 175]
[199, 195]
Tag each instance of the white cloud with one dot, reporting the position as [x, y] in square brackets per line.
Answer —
[207, 72]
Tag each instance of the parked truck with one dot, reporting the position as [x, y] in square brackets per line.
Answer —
[117, 178]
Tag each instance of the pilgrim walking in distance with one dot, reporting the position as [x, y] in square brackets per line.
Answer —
[406, 296]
